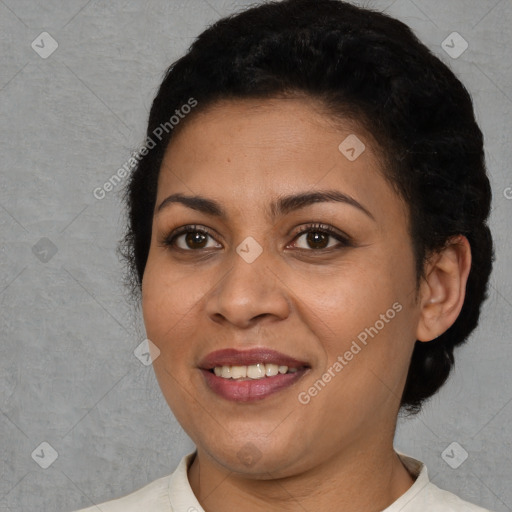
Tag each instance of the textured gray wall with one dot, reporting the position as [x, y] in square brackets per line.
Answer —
[68, 374]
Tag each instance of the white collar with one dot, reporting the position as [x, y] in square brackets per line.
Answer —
[182, 498]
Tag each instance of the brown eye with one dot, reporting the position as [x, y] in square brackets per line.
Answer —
[195, 240]
[188, 238]
[316, 237]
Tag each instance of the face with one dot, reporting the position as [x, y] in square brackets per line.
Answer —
[323, 284]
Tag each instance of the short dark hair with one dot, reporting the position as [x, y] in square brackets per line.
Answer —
[367, 66]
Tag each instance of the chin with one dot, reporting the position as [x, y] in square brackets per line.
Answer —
[261, 458]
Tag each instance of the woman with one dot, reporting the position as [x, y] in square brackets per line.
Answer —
[307, 233]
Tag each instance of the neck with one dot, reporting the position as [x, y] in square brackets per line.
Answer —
[366, 480]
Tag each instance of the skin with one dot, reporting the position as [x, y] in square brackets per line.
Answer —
[335, 452]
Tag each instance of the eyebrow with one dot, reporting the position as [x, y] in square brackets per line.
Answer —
[281, 206]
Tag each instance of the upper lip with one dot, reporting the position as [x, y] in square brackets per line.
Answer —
[234, 357]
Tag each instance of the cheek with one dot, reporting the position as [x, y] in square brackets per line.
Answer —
[168, 315]
[362, 312]
[167, 301]
[173, 308]
[154, 303]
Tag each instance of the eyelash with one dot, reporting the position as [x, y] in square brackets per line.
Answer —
[345, 241]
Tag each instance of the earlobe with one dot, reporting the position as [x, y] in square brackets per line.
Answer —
[443, 289]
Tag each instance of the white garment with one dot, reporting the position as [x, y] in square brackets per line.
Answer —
[172, 493]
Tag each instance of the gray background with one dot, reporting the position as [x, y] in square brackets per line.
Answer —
[68, 373]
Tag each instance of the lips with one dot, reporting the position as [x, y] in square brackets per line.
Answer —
[247, 389]
[233, 357]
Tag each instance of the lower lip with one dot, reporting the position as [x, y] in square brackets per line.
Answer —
[250, 390]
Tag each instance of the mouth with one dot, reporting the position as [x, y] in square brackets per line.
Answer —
[245, 376]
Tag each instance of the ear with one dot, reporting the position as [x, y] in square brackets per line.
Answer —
[443, 290]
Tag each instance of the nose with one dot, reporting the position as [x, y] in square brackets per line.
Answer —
[249, 293]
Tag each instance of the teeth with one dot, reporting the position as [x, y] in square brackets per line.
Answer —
[256, 371]
[253, 371]
[238, 372]
[271, 370]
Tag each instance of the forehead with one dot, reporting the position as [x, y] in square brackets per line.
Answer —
[302, 122]
[244, 152]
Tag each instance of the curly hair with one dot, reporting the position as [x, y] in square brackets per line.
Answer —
[367, 66]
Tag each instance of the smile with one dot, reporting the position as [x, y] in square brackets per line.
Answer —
[249, 375]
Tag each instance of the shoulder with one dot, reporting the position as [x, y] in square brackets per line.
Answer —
[425, 496]
[153, 496]
[446, 501]
[157, 495]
